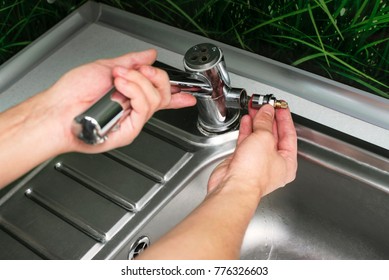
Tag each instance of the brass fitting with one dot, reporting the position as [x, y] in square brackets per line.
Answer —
[258, 100]
[281, 104]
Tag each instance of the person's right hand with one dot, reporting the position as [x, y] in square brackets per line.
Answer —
[145, 87]
[266, 154]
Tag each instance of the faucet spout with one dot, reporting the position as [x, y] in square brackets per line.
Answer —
[191, 83]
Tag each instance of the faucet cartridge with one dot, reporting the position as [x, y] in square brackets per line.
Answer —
[258, 100]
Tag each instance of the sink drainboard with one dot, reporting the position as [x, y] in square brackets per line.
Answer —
[77, 203]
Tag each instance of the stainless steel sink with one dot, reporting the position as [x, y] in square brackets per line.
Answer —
[97, 206]
[335, 209]
[111, 205]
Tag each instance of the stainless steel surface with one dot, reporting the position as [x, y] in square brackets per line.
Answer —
[89, 206]
[335, 209]
[96, 206]
[76, 206]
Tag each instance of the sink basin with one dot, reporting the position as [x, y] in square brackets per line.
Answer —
[112, 205]
[335, 209]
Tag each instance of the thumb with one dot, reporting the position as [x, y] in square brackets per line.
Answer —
[264, 119]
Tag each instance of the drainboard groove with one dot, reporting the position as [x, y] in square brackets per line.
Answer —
[26, 240]
[66, 215]
[167, 136]
[136, 165]
[96, 186]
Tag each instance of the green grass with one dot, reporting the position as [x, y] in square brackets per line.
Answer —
[344, 40]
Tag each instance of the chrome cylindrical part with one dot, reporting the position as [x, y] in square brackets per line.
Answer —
[236, 98]
[215, 116]
[93, 125]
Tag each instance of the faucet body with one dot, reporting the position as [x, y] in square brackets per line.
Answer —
[205, 77]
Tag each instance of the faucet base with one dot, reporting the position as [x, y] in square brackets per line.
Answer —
[231, 123]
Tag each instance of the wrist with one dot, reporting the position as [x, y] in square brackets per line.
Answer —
[30, 136]
[240, 190]
[43, 124]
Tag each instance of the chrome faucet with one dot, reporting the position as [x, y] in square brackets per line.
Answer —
[205, 77]
[218, 103]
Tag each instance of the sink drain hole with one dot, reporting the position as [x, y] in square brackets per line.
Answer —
[138, 247]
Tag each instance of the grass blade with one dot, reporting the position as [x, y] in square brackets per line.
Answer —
[350, 67]
[323, 5]
[280, 18]
[175, 6]
[317, 34]
[314, 56]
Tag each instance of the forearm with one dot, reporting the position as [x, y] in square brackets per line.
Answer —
[28, 137]
[215, 230]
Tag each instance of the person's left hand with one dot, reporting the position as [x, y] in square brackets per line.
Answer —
[266, 154]
[146, 87]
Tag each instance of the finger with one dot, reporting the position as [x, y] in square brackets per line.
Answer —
[287, 142]
[133, 60]
[181, 100]
[245, 129]
[264, 118]
[122, 100]
[252, 111]
[286, 131]
[275, 132]
[160, 80]
[140, 105]
[174, 89]
[152, 95]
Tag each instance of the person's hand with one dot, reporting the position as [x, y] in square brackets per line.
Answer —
[266, 153]
[146, 87]
[265, 159]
